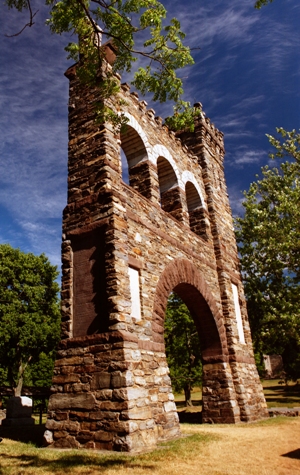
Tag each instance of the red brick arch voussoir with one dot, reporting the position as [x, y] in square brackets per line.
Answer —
[186, 280]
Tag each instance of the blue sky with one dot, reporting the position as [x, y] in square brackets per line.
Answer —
[247, 76]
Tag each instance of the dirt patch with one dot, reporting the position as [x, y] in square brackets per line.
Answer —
[266, 448]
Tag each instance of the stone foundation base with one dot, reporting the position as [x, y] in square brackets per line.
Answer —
[110, 394]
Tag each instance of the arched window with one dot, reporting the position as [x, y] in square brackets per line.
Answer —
[166, 175]
[133, 146]
[192, 197]
[198, 223]
[170, 196]
[135, 163]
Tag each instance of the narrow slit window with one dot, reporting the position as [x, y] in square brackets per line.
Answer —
[135, 293]
[238, 315]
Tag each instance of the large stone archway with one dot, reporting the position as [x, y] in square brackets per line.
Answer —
[182, 277]
[123, 252]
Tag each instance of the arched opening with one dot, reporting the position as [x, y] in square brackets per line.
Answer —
[135, 163]
[170, 197]
[183, 278]
[192, 197]
[184, 359]
[218, 395]
[204, 320]
[133, 146]
[198, 223]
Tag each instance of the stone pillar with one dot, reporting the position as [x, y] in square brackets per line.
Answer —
[143, 178]
[110, 394]
[173, 202]
[218, 395]
[199, 222]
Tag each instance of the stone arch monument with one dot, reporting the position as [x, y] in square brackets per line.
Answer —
[125, 248]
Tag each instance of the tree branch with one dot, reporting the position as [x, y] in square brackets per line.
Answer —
[29, 24]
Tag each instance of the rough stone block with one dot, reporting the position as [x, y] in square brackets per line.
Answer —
[137, 414]
[68, 442]
[60, 434]
[170, 406]
[84, 401]
[130, 394]
[120, 380]
[48, 437]
[100, 381]
[103, 436]
[65, 378]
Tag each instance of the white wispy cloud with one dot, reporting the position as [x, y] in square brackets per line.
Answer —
[33, 149]
[218, 20]
[248, 157]
[236, 199]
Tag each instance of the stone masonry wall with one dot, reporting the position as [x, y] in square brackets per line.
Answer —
[172, 227]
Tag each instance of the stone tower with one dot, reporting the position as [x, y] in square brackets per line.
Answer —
[125, 249]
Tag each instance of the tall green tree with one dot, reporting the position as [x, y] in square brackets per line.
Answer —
[269, 243]
[138, 31]
[29, 312]
[182, 348]
[39, 374]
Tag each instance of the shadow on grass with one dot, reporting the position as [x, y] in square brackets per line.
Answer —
[57, 462]
[282, 395]
[65, 463]
[285, 390]
[284, 400]
[294, 454]
[186, 417]
[28, 434]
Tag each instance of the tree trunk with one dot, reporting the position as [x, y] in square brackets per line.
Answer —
[188, 395]
[19, 386]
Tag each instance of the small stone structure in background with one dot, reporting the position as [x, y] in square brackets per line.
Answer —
[273, 366]
[125, 248]
[18, 412]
